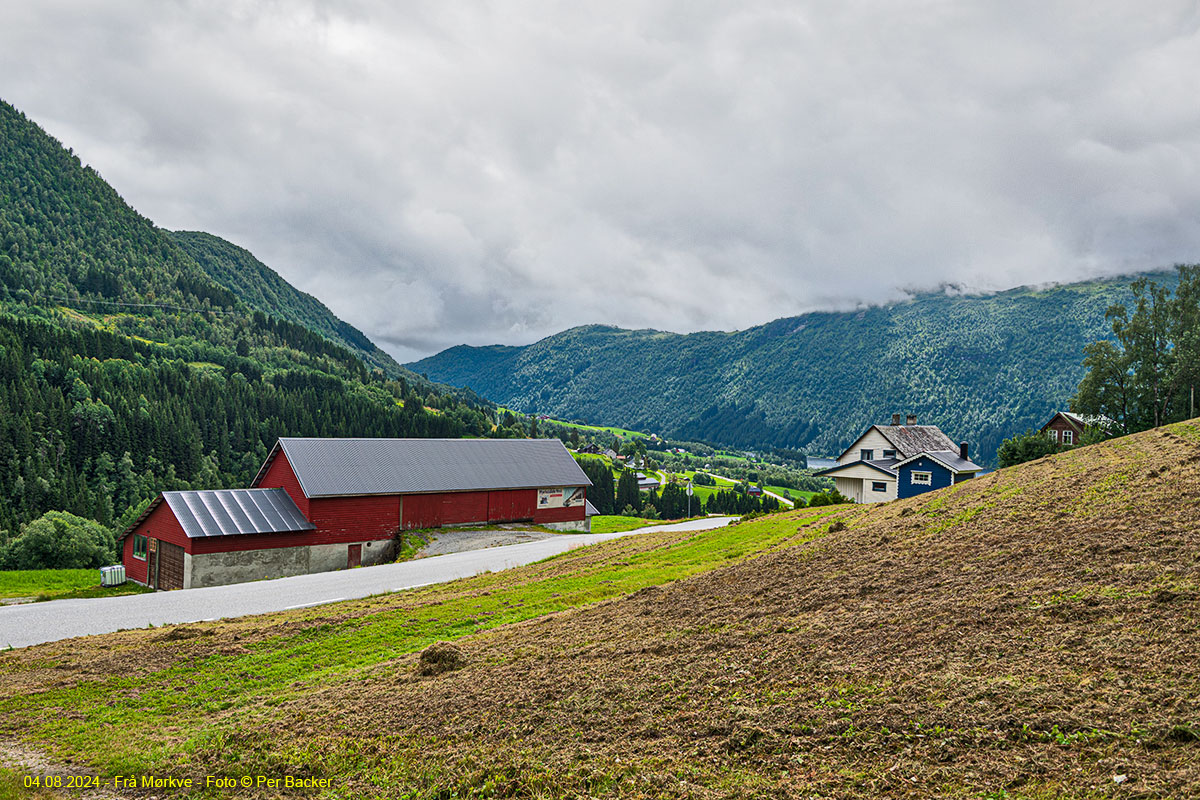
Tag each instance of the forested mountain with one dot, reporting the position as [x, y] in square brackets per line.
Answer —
[981, 367]
[261, 288]
[125, 369]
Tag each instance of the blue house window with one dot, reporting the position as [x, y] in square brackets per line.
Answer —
[922, 478]
[878, 486]
[866, 455]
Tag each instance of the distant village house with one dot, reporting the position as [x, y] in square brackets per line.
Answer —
[1068, 429]
[900, 460]
[647, 484]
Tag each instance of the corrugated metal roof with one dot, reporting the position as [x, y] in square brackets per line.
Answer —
[341, 467]
[913, 439]
[229, 512]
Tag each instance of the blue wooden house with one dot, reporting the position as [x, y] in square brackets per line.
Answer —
[891, 461]
[927, 471]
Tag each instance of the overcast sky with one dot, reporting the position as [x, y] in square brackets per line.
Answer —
[451, 172]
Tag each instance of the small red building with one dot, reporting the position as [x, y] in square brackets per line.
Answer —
[1068, 429]
[323, 504]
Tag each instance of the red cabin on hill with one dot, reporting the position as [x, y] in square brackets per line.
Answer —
[323, 504]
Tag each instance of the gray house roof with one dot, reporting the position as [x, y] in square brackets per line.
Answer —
[950, 459]
[345, 467]
[230, 512]
[913, 439]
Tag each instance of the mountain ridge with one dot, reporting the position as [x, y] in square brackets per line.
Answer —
[982, 366]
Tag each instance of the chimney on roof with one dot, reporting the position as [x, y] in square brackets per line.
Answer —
[911, 419]
[962, 451]
[895, 419]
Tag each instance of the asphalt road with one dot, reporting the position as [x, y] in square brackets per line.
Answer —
[35, 623]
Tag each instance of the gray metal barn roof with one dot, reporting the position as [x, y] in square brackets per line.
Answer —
[226, 512]
[341, 467]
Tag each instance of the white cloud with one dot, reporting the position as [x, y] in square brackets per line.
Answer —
[440, 173]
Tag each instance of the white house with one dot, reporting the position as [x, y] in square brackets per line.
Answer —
[868, 471]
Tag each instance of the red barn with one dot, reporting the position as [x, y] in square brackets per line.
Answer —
[323, 504]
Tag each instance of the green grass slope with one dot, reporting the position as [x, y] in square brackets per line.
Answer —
[982, 367]
[1028, 634]
[261, 288]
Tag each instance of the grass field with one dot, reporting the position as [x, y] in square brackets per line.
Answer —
[624, 432]
[58, 584]
[783, 491]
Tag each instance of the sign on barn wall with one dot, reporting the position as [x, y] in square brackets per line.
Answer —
[561, 498]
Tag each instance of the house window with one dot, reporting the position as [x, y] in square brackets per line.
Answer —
[1053, 434]
[878, 486]
[1068, 437]
[922, 478]
[866, 455]
[889, 454]
[139, 547]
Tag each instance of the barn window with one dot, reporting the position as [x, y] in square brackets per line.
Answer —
[889, 453]
[139, 546]
[1068, 437]
[866, 455]
[922, 478]
[1053, 434]
[878, 486]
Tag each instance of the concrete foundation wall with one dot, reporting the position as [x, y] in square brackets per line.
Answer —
[584, 525]
[379, 552]
[220, 569]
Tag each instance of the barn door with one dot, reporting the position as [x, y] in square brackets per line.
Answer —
[170, 566]
[353, 556]
[152, 562]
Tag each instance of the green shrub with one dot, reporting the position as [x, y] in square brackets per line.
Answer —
[830, 498]
[1028, 446]
[58, 540]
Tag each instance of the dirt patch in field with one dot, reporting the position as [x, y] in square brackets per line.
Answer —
[26, 761]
